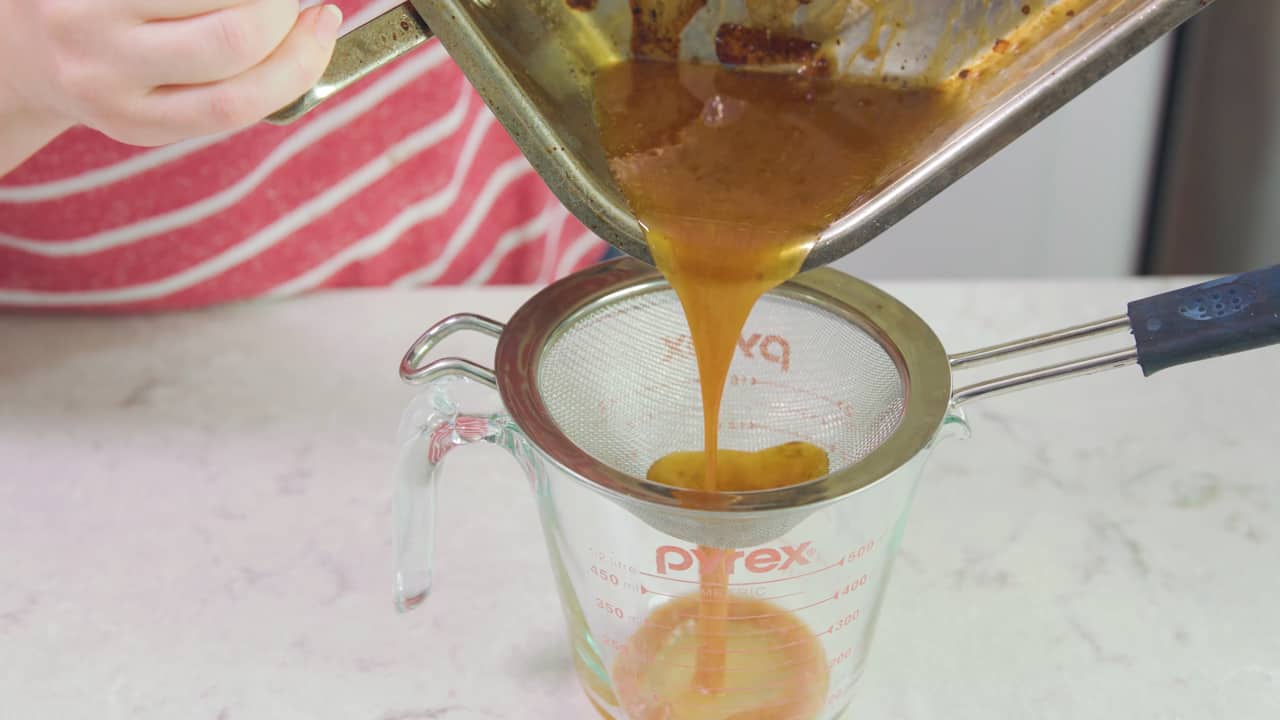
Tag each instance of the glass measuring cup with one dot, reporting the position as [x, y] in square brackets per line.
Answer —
[597, 381]
[614, 571]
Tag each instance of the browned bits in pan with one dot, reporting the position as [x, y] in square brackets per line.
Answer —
[656, 26]
[741, 45]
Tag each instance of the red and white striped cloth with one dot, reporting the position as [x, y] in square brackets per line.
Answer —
[406, 179]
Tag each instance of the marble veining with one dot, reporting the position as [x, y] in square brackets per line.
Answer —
[194, 522]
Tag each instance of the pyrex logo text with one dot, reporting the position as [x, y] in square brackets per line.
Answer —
[771, 348]
[763, 560]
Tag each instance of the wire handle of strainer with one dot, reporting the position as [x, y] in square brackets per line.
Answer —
[1220, 317]
[414, 372]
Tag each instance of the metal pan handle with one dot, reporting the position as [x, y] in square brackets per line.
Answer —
[1212, 319]
[359, 53]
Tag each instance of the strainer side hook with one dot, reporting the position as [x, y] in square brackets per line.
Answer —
[415, 372]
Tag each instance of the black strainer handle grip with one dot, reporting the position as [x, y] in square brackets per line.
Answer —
[1219, 317]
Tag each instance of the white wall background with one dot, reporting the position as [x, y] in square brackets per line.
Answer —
[1069, 198]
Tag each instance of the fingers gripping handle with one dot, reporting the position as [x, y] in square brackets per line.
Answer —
[1220, 317]
[359, 53]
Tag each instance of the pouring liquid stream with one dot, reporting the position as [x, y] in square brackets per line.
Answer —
[734, 175]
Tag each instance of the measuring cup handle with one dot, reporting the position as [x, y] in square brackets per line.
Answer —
[359, 53]
[432, 425]
[1220, 317]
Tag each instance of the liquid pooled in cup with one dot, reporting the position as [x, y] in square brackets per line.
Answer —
[771, 665]
[734, 175]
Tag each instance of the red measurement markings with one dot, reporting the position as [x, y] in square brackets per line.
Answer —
[842, 623]
[851, 586]
[605, 575]
[861, 551]
[684, 618]
[609, 608]
[646, 590]
[606, 560]
[797, 576]
[762, 616]
[664, 577]
[844, 655]
[765, 616]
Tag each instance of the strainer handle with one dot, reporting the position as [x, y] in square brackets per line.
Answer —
[415, 370]
[1220, 317]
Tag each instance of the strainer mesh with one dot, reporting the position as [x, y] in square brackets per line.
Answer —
[621, 382]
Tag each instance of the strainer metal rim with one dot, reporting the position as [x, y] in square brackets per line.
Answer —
[911, 343]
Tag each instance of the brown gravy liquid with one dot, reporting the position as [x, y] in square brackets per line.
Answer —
[734, 174]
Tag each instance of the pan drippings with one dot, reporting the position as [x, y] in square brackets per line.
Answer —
[734, 175]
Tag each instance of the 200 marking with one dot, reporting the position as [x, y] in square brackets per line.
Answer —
[847, 620]
[844, 655]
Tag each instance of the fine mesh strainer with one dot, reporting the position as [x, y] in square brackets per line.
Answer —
[598, 373]
[805, 371]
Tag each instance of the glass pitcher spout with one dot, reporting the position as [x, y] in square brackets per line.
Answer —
[955, 425]
[435, 423]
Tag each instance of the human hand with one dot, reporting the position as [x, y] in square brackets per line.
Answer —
[153, 72]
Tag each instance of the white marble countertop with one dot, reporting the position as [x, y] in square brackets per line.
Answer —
[194, 524]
